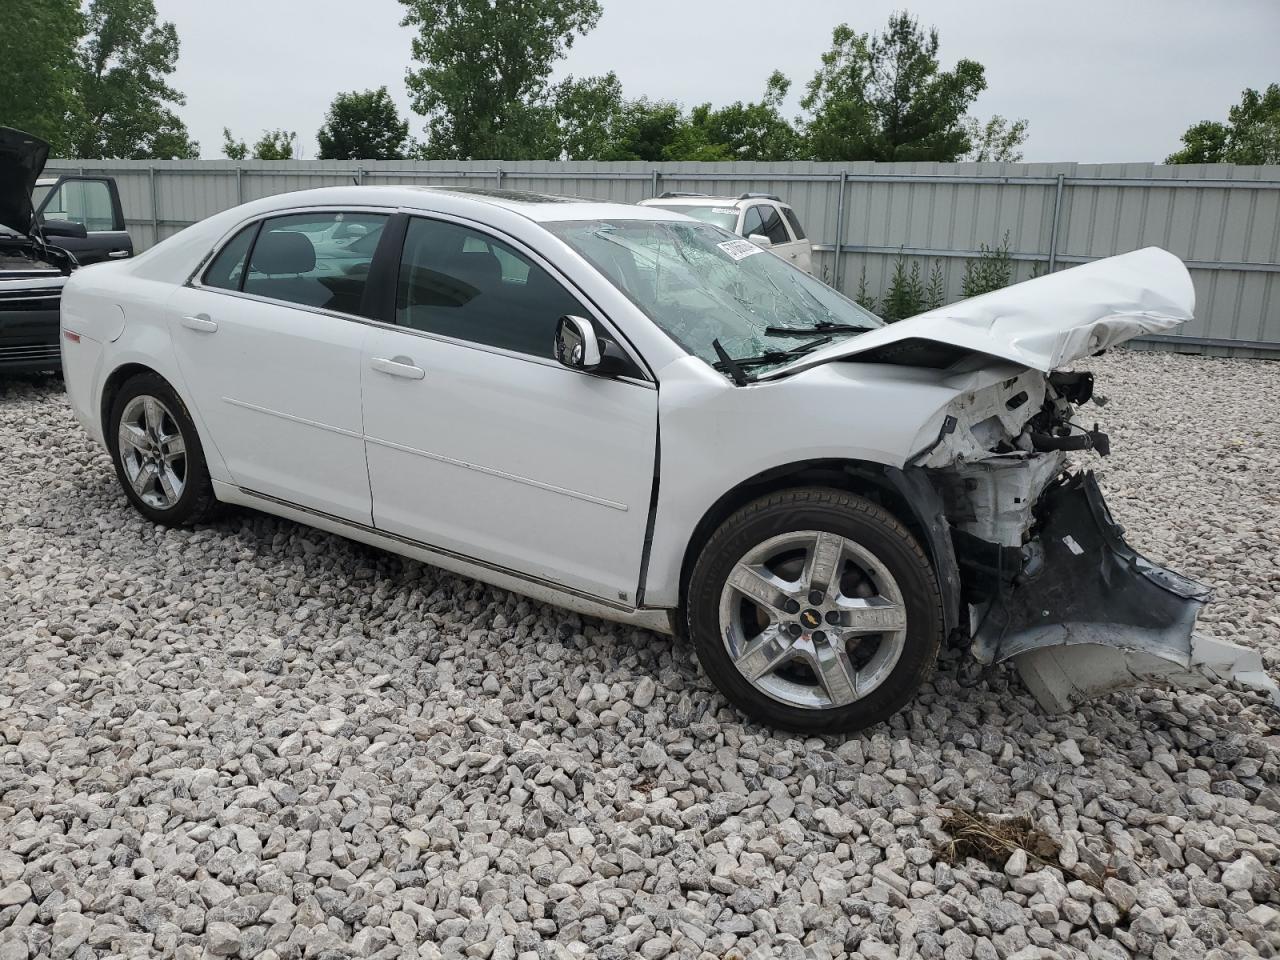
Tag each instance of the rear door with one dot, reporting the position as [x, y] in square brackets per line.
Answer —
[93, 202]
[480, 444]
[270, 353]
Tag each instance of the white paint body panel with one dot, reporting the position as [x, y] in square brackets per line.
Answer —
[515, 462]
[279, 392]
[522, 473]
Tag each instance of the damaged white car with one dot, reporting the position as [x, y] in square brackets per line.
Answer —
[641, 417]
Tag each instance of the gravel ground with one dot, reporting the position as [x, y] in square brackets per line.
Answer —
[258, 740]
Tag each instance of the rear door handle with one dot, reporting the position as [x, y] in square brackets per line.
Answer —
[398, 367]
[200, 323]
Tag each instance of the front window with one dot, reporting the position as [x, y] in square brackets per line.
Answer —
[723, 217]
[705, 286]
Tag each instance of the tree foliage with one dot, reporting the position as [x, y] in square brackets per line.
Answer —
[1250, 135]
[39, 69]
[126, 104]
[272, 145]
[885, 97]
[997, 139]
[363, 126]
[232, 148]
[906, 294]
[483, 82]
[747, 131]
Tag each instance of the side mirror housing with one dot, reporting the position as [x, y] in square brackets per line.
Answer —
[64, 228]
[576, 345]
[578, 348]
[760, 240]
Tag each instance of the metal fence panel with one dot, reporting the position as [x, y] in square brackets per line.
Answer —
[1223, 220]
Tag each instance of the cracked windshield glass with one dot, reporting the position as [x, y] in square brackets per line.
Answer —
[703, 285]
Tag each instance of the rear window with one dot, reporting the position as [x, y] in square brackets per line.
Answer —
[726, 218]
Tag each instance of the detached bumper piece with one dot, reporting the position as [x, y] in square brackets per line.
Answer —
[1093, 616]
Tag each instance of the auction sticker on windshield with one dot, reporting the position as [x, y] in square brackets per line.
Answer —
[739, 249]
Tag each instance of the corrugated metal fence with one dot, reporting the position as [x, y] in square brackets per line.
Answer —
[1224, 221]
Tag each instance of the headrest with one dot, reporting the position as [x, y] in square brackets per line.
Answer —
[475, 267]
[284, 251]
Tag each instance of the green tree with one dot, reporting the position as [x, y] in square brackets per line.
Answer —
[126, 104]
[747, 131]
[885, 97]
[483, 82]
[997, 139]
[363, 126]
[275, 145]
[39, 69]
[1250, 135]
[590, 112]
[935, 293]
[232, 148]
[646, 130]
[992, 270]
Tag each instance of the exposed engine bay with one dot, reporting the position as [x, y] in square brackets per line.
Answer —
[1046, 576]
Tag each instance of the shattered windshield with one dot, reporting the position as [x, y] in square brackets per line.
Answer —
[706, 288]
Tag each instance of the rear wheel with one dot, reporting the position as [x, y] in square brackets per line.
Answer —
[157, 455]
[815, 610]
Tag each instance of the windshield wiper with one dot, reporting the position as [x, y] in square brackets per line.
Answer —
[734, 366]
[820, 327]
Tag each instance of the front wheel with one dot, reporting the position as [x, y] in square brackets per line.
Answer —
[157, 454]
[815, 610]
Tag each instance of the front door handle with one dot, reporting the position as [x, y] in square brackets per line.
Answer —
[117, 254]
[200, 323]
[398, 367]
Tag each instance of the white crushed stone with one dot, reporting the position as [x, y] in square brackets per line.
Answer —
[257, 740]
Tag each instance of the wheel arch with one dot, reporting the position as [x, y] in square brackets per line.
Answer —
[111, 387]
[907, 495]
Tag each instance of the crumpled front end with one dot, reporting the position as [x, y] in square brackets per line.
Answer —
[1047, 577]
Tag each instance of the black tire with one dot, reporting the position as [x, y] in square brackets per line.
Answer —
[196, 501]
[865, 524]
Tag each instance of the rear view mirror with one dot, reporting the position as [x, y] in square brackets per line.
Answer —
[760, 240]
[64, 228]
[576, 345]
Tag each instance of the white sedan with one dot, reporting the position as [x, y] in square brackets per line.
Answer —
[638, 416]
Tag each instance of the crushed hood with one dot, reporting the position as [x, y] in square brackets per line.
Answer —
[22, 157]
[1045, 323]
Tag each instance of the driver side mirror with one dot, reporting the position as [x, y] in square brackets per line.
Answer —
[64, 228]
[760, 240]
[578, 347]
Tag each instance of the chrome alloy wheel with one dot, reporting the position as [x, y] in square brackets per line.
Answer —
[152, 452]
[812, 619]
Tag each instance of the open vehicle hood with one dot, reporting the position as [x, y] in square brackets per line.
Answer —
[22, 157]
[1044, 324]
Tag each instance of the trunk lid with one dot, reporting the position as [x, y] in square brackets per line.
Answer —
[1045, 323]
[22, 157]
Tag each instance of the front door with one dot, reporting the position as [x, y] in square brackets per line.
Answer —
[480, 444]
[93, 202]
[272, 357]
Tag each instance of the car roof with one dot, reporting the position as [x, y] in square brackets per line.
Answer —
[695, 201]
[538, 207]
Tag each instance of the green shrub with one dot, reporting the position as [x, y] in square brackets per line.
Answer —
[863, 297]
[935, 293]
[905, 297]
[992, 270]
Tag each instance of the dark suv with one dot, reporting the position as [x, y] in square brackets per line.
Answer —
[48, 227]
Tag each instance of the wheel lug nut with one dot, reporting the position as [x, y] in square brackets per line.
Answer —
[795, 630]
[819, 636]
[792, 606]
[833, 617]
[816, 597]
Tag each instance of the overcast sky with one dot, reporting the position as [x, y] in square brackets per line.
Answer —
[1099, 80]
